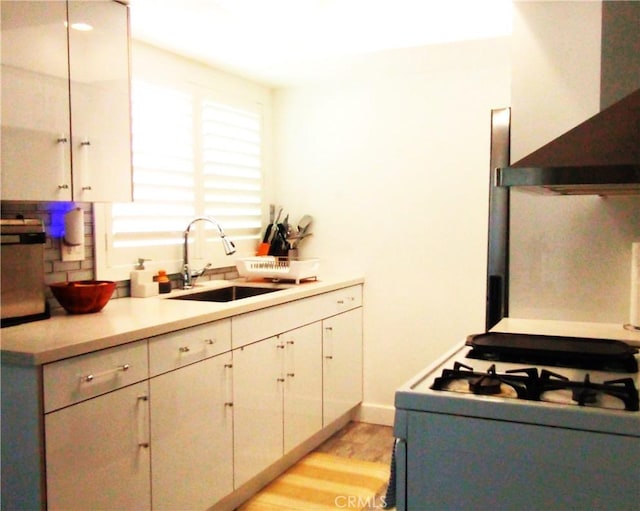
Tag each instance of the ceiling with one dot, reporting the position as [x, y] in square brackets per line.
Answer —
[277, 41]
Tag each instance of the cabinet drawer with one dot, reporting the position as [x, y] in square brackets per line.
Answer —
[75, 379]
[183, 347]
[340, 300]
[253, 326]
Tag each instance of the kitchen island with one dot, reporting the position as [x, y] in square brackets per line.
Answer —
[156, 403]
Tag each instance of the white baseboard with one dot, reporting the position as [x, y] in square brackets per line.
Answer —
[376, 414]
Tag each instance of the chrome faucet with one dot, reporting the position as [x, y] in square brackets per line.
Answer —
[188, 276]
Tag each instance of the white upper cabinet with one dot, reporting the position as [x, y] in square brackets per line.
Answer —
[100, 104]
[36, 156]
[66, 130]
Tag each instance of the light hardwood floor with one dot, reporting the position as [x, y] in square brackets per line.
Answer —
[362, 441]
[359, 440]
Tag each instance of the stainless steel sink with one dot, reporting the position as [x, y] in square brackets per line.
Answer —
[226, 294]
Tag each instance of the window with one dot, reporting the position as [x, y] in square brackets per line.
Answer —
[193, 155]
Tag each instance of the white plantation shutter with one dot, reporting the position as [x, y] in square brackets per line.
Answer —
[232, 175]
[193, 155]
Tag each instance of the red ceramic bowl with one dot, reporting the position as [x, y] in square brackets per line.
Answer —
[83, 296]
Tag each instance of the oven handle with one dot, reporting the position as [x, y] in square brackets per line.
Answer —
[400, 453]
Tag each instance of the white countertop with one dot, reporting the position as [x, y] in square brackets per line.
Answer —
[569, 329]
[128, 319]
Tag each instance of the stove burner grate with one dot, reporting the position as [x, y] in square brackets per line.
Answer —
[617, 394]
[547, 386]
[462, 378]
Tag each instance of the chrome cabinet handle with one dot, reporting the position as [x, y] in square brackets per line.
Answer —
[63, 164]
[327, 343]
[187, 349]
[109, 372]
[228, 389]
[142, 429]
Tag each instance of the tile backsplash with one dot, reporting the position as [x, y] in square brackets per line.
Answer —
[52, 216]
[56, 270]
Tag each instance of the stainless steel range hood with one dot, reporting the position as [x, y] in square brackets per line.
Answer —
[600, 156]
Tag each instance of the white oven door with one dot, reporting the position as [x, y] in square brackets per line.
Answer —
[456, 463]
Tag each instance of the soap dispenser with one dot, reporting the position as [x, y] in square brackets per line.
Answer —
[142, 284]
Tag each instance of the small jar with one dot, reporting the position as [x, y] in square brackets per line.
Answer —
[164, 284]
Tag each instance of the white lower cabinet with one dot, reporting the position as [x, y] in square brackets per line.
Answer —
[192, 435]
[277, 386]
[302, 405]
[97, 453]
[257, 407]
[182, 420]
[342, 364]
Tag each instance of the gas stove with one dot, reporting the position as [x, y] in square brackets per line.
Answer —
[467, 381]
[552, 419]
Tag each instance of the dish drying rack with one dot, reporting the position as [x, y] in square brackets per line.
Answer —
[278, 268]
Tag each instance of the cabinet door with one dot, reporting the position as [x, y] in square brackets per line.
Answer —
[97, 453]
[342, 367]
[303, 384]
[36, 162]
[257, 407]
[100, 103]
[191, 435]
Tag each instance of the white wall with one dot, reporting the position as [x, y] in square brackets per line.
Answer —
[570, 257]
[390, 154]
